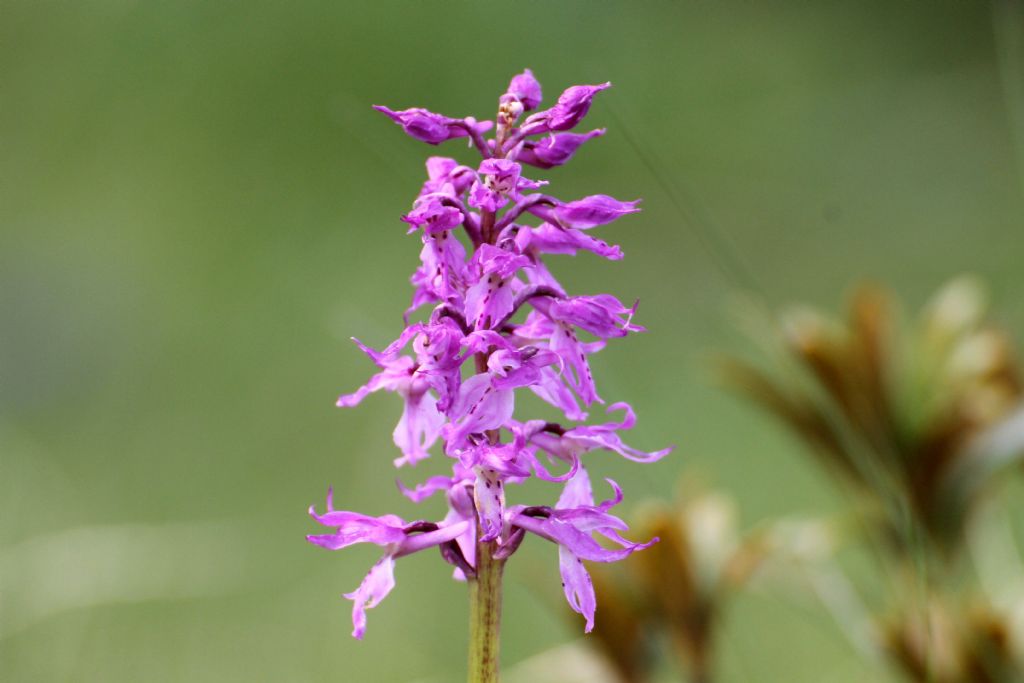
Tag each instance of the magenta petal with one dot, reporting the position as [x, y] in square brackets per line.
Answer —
[572, 106]
[602, 315]
[439, 354]
[460, 504]
[440, 167]
[577, 371]
[355, 398]
[514, 369]
[479, 341]
[553, 389]
[542, 473]
[590, 518]
[616, 498]
[526, 89]
[499, 180]
[555, 239]
[501, 175]
[443, 271]
[484, 198]
[507, 461]
[446, 177]
[578, 587]
[499, 262]
[566, 533]
[577, 491]
[374, 588]
[415, 542]
[390, 379]
[418, 429]
[433, 215]
[555, 149]
[592, 437]
[480, 407]
[421, 492]
[592, 211]
[426, 126]
[353, 528]
[489, 301]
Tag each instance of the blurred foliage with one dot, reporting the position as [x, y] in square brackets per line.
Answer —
[919, 420]
[198, 208]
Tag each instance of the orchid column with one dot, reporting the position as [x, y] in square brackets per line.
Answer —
[498, 322]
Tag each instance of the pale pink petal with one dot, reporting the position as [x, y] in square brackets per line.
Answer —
[374, 588]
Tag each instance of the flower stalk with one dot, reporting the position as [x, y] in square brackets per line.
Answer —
[485, 616]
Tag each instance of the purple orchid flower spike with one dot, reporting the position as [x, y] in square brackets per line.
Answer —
[493, 321]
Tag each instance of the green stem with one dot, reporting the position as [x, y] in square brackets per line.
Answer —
[485, 616]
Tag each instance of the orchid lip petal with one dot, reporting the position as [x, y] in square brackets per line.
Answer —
[577, 585]
[374, 588]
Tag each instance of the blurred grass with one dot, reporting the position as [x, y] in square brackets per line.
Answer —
[198, 208]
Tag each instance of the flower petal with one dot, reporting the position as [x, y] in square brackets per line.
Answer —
[578, 587]
[433, 215]
[552, 388]
[555, 149]
[418, 428]
[572, 106]
[391, 379]
[592, 211]
[577, 491]
[573, 354]
[592, 437]
[420, 492]
[480, 407]
[374, 588]
[602, 315]
[426, 126]
[352, 527]
[526, 89]
[555, 239]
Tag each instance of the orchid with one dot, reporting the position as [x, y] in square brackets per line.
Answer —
[493, 321]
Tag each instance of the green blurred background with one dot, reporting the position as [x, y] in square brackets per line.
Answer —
[198, 207]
